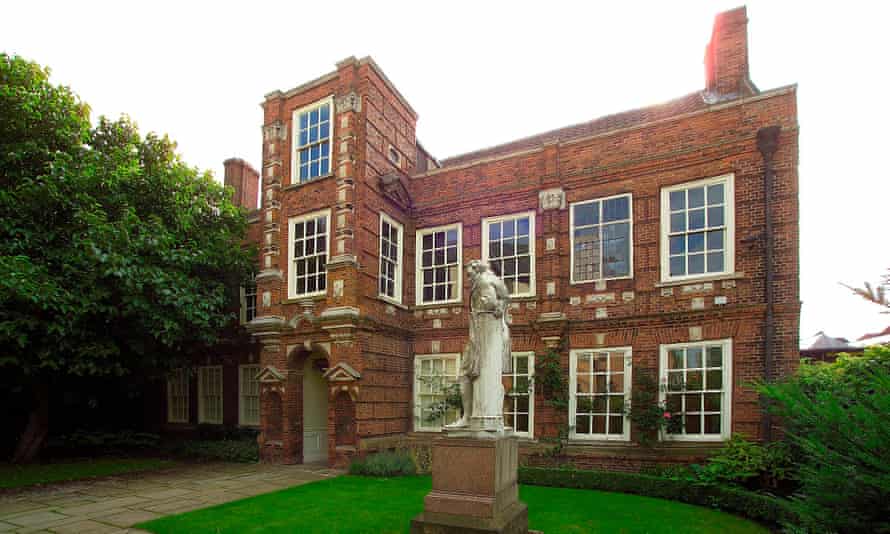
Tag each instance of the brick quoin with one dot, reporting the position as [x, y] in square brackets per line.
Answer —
[366, 345]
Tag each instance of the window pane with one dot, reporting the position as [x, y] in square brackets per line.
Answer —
[616, 249]
[616, 209]
[715, 240]
[715, 262]
[696, 197]
[675, 359]
[712, 424]
[715, 216]
[678, 265]
[714, 380]
[712, 402]
[696, 263]
[616, 425]
[522, 245]
[599, 424]
[677, 245]
[715, 194]
[694, 380]
[678, 222]
[696, 242]
[692, 424]
[586, 214]
[451, 237]
[522, 226]
[694, 357]
[582, 424]
[715, 356]
[696, 219]
[678, 200]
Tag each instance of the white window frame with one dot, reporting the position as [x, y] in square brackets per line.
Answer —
[243, 296]
[418, 260]
[295, 143]
[531, 390]
[242, 419]
[397, 283]
[725, 402]
[486, 223]
[201, 415]
[291, 270]
[630, 259]
[729, 224]
[419, 423]
[183, 375]
[573, 389]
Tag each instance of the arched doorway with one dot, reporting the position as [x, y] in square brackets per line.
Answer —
[315, 411]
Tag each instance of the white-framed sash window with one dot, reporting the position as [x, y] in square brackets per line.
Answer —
[697, 229]
[308, 245]
[508, 245]
[210, 394]
[248, 395]
[600, 381]
[390, 275]
[178, 396]
[435, 375]
[439, 254]
[313, 128]
[601, 238]
[519, 396]
[696, 385]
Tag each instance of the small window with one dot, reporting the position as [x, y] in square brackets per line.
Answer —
[600, 382]
[697, 388]
[519, 397]
[394, 157]
[308, 254]
[602, 239]
[508, 245]
[178, 396]
[438, 265]
[248, 300]
[697, 229]
[249, 395]
[313, 126]
[390, 279]
[435, 379]
[210, 395]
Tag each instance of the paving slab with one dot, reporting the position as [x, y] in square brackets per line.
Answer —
[129, 517]
[35, 519]
[87, 526]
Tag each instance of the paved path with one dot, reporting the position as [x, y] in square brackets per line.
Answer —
[110, 505]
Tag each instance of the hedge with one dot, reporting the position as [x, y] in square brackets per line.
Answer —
[763, 508]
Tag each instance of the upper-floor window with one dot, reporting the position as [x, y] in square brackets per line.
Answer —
[508, 245]
[312, 141]
[601, 239]
[248, 300]
[438, 264]
[697, 231]
[697, 389]
[390, 279]
[308, 254]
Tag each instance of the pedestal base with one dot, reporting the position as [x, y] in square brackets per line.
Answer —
[475, 488]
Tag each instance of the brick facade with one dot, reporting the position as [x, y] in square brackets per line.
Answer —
[365, 345]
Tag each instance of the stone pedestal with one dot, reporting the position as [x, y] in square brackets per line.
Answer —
[475, 488]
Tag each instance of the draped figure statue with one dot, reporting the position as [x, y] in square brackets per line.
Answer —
[487, 353]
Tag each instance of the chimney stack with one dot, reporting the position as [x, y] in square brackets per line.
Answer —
[244, 180]
[726, 56]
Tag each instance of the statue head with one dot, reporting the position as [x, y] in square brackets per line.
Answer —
[476, 267]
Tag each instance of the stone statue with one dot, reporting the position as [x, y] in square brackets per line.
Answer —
[487, 354]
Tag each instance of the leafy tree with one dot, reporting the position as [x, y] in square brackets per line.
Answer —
[115, 256]
[838, 418]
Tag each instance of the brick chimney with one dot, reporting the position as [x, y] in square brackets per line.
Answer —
[726, 56]
[244, 180]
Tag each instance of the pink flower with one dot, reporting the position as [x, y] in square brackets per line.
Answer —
[667, 415]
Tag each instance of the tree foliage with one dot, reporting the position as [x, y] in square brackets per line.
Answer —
[838, 418]
[115, 255]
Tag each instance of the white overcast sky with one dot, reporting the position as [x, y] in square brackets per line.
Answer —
[482, 73]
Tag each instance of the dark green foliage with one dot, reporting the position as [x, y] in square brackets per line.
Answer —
[838, 419]
[744, 463]
[551, 380]
[649, 416]
[83, 442]
[753, 505]
[384, 464]
[225, 450]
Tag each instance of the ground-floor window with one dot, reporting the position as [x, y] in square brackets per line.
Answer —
[248, 395]
[697, 387]
[519, 405]
[178, 396]
[435, 381]
[210, 394]
[600, 386]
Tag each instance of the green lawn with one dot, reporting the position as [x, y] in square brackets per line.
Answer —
[16, 476]
[356, 504]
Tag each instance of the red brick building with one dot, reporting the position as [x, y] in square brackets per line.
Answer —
[658, 242]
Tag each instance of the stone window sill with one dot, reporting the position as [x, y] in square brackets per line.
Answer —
[693, 281]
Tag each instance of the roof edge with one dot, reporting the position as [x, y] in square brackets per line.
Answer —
[778, 91]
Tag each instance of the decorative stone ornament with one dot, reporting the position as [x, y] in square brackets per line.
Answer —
[552, 199]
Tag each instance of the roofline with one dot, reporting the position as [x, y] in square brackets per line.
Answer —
[367, 60]
[786, 89]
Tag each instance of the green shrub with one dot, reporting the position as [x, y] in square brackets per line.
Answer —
[756, 506]
[384, 464]
[84, 442]
[744, 463]
[838, 417]
[226, 450]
